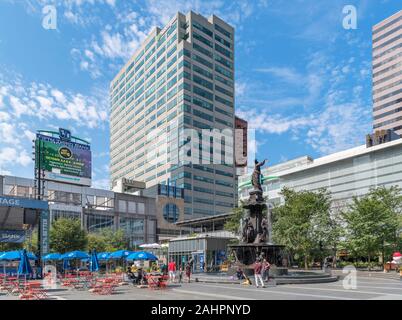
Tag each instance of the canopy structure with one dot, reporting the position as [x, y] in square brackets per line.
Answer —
[151, 246]
[142, 255]
[79, 255]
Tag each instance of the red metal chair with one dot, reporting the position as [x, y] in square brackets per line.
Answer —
[163, 281]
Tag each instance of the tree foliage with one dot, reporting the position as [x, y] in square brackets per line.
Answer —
[66, 235]
[107, 240]
[233, 223]
[373, 221]
[304, 223]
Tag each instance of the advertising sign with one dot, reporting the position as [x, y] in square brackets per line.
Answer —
[44, 225]
[12, 236]
[63, 160]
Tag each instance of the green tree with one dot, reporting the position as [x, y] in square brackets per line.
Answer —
[233, 223]
[10, 246]
[304, 223]
[66, 235]
[107, 240]
[96, 242]
[372, 221]
[31, 241]
[115, 240]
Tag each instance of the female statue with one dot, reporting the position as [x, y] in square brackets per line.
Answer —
[256, 178]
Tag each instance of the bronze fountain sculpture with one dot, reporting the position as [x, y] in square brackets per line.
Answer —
[254, 230]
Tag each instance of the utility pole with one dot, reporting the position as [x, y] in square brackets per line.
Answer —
[39, 187]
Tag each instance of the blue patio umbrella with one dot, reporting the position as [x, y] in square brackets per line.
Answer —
[103, 256]
[16, 255]
[4, 264]
[79, 255]
[94, 263]
[66, 265]
[142, 255]
[51, 256]
[24, 267]
[120, 254]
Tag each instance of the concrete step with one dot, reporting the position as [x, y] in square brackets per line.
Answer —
[325, 278]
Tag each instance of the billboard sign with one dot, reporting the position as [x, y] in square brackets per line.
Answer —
[12, 236]
[63, 160]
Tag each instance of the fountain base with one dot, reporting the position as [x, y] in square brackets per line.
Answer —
[246, 255]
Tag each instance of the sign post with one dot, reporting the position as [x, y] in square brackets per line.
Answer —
[44, 226]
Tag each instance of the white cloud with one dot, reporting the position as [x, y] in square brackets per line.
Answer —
[283, 73]
[4, 116]
[19, 107]
[240, 88]
[29, 134]
[101, 184]
[42, 101]
[8, 133]
[12, 156]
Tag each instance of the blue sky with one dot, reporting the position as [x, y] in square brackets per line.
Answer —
[303, 81]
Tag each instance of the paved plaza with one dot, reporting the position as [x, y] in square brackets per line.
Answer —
[368, 288]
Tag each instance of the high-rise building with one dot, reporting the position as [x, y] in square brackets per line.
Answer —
[178, 85]
[387, 74]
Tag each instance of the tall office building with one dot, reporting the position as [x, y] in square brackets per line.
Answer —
[181, 77]
[387, 74]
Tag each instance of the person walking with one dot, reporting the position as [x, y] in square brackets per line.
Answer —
[257, 273]
[180, 273]
[188, 271]
[172, 270]
[265, 267]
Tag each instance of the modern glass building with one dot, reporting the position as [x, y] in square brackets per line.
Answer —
[387, 74]
[345, 174]
[97, 209]
[181, 78]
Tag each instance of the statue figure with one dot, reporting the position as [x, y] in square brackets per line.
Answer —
[250, 232]
[245, 222]
[264, 226]
[256, 178]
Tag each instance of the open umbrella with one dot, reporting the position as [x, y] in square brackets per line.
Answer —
[24, 267]
[16, 255]
[79, 255]
[103, 256]
[4, 265]
[94, 265]
[66, 265]
[51, 257]
[73, 255]
[120, 254]
[142, 255]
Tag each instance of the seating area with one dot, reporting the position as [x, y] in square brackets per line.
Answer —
[25, 290]
[70, 277]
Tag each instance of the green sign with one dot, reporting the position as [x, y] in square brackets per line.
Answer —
[62, 160]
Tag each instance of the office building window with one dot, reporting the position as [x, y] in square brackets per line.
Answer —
[171, 213]
[97, 222]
